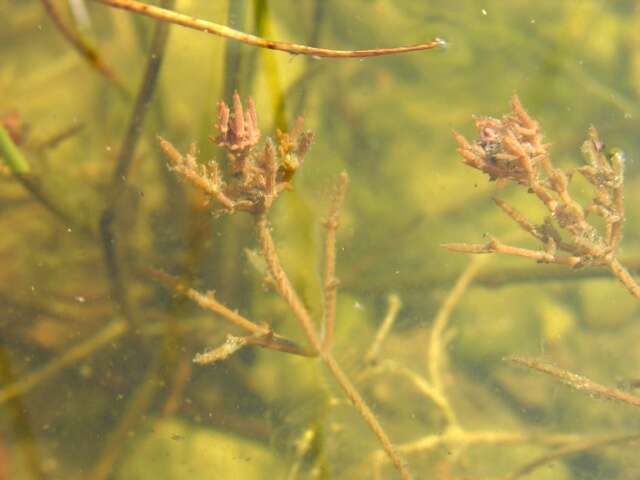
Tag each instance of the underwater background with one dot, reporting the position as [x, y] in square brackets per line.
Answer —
[96, 373]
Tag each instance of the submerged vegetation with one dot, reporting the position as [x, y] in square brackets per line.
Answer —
[248, 316]
[512, 149]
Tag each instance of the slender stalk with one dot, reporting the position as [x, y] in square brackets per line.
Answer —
[393, 307]
[282, 283]
[625, 277]
[330, 279]
[49, 202]
[77, 41]
[369, 417]
[287, 292]
[263, 336]
[436, 343]
[133, 414]
[231, 34]
[496, 246]
[577, 382]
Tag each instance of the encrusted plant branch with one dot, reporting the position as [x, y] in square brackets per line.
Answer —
[511, 149]
[330, 279]
[572, 449]
[575, 381]
[254, 178]
[205, 26]
[283, 284]
[261, 335]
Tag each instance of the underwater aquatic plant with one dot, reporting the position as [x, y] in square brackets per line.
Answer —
[167, 15]
[511, 149]
[255, 178]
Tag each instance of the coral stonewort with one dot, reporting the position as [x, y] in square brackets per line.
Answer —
[251, 181]
[511, 149]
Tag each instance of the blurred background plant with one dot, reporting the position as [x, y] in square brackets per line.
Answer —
[96, 357]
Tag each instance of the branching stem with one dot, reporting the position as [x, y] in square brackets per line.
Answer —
[288, 293]
[330, 279]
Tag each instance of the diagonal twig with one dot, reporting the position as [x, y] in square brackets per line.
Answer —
[330, 279]
[263, 336]
[575, 381]
[231, 34]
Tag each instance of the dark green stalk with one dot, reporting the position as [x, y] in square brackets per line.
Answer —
[124, 162]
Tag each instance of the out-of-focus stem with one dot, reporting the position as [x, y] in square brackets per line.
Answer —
[625, 277]
[77, 41]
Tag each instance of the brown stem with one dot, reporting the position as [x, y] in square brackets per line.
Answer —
[89, 53]
[110, 214]
[32, 184]
[578, 382]
[231, 34]
[264, 337]
[282, 283]
[287, 292]
[495, 246]
[364, 410]
[436, 340]
[571, 449]
[330, 279]
[625, 277]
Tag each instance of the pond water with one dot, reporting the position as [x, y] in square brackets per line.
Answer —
[429, 362]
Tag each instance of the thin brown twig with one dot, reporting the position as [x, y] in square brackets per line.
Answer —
[258, 177]
[282, 284]
[57, 138]
[288, 293]
[88, 52]
[125, 158]
[231, 34]
[330, 279]
[31, 183]
[575, 381]
[511, 149]
[496, 246]
[367, 414]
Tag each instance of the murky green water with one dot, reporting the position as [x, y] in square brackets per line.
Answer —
[96, 372]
